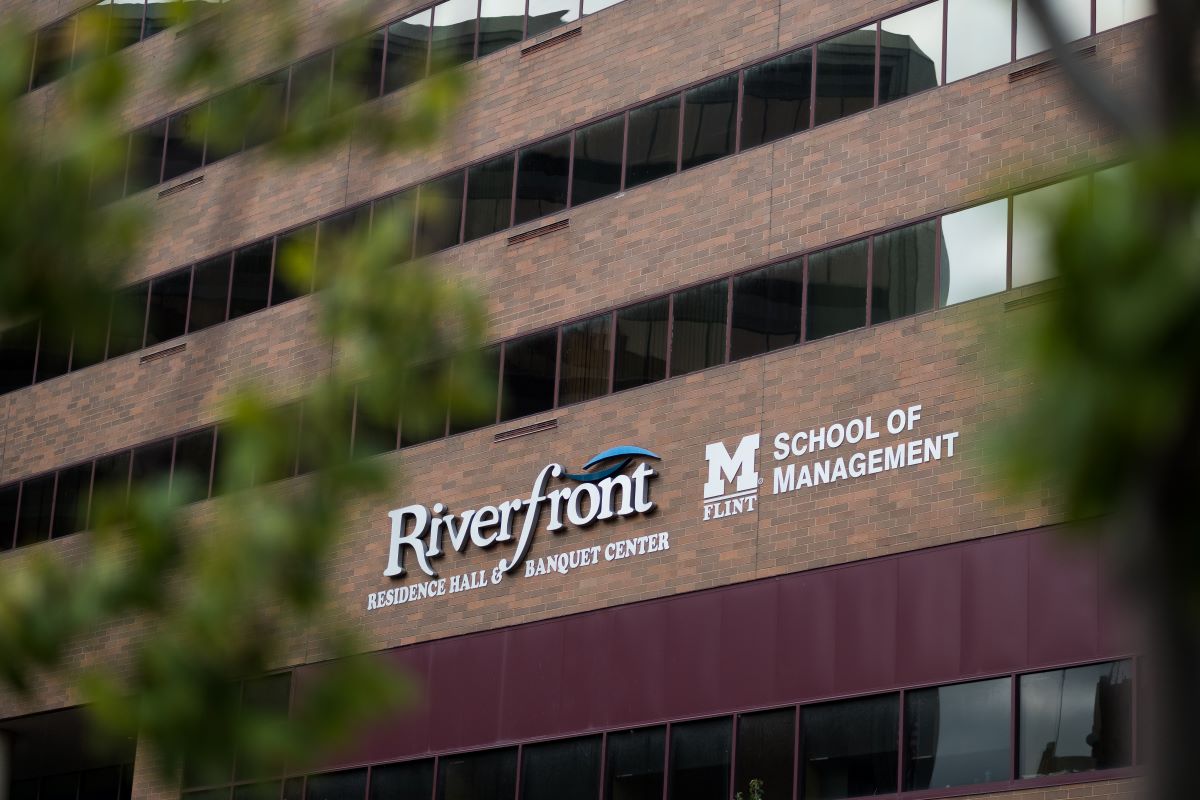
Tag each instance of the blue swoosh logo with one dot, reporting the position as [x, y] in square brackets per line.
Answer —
[625, 453]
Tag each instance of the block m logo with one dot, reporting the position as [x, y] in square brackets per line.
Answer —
[738, 469]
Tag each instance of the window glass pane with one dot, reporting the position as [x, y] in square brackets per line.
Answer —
[902, 272]
[401, 781]
[453, 33]
[766, 752]
[59, 787]
[776, 98]
[700, 760]
[1111, 13]
[501, 23]
[464, 419]
[295, 253]
[193, 463]
[267, 102]
[152, 462]
[54, 353]
[293, 789]
[251, 278]
[910, 52]
[100, 784]
[559, 770]
[709, 112]
[71, 499]
[407, 51]
[397, 213]
[592, 6]
[585, 360]
[974, 252]
[185, 142]
[978, 36]
[653, 141]
[1074, 20]
[478, 776]
[8, 515]
[358, 67]
[1034, 217]
[529, 375]
[210, 290]
[850, 748]
[547, 14]
[439, 217]
[845, 75]
[52, 58]
[124, 23]
[167, 314]
[128, 320]
[415, 429]
[270, 695]
[542, 172]
[158, 17]
[309, 88]
[634, 768]
[641, 348]
[598, 160]
[698, 331]
[18, 351]
[27, 789]
[37, 496]
[145, 157]
[372, 434]
[262, 791]
[767, 309]
[957, 735]
[837, 290]
[348, 785]
[489, 197]
[1077, 720]
[112, 475]
[225, 125]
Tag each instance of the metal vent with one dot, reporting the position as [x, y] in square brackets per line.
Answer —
[536, 232]
[538, 47]
[526, 430]
[179, 187]
[169, 351]
[1047, 65]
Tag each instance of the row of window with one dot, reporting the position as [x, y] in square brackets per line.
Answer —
[104, 783]
[890, 275]
[1073, 720]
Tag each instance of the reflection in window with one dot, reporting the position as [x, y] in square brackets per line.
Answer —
[251, 278]
[491, 775]
[124, 23]
[185, 142]
[1074, 19]
[845, 75]
[850, 748]
[453, 33]
[268, 103]
[776, 98]
[351, 783]
[489, 197]
[653, 141]
[501, 23]
[52, 56]
[359, 65]
[767, 309]
[158, 17]
[592, 6]
[529, 375]
[700, 760]
[407, 51]
[1076, 720]
[902, 272]
[765, 752]
[309, 89]
[400, 781]
[1111, 13]
[910, 52]
[542, 173]
[1034, 215]
[641, 348]
[585, 360]
[958, 735]
[974, 252]
[439, 214]
[547, 14]
[597, 160]
[698, 329]
[837, 290]
[210, 292]
[558, 770]
[634, 768]
[709, 112]
[167, 315]
[978, 37]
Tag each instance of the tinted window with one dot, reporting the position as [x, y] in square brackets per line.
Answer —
[167, 313]
[402, 781]
[112, 475]
[529, 375]
[547, 14]
[1034, 216]
[407, 51]
[374, 433]
[845, 75]
[837, 290]
[767, 309]
[709, 112]
[585, 360]
[653, 141]
[210, 292]
[71, 499]
[193, 463]
[1111, 13]
[559, 770]
[225, 126]
[483, 410]
[54, 353]
[37, 499]
[60, 787]
[489, 197]
[270, 696]
[1076, 720]
[902, 272]
[295, 253]
[542, 172]
[850, 748]
[145, 157]
[910, 52]
[634, 768]
[360, 65]
[1074, 19]
[158, 17]
[598, 160]
[348, 785]
[698, 328]
[957, 735]
[128, 320]
[453, 33]
[641, 346]
[100, 784]
[478, 776]
[267, 98]
[700, 760]
[766, 752]
[251, 278]
[8, 515]
[152, 462]
[185, 142]
[439, 218]
[262, 791]
[308, 90]
[776, 98]
[978, 37]
[974, 252]
[27, 789]
[396, 213]
[52, 58]
[501, 23]
[18, 351]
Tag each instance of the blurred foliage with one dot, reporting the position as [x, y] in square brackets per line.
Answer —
[221, 590]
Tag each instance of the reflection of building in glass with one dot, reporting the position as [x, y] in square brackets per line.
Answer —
[903, 68]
